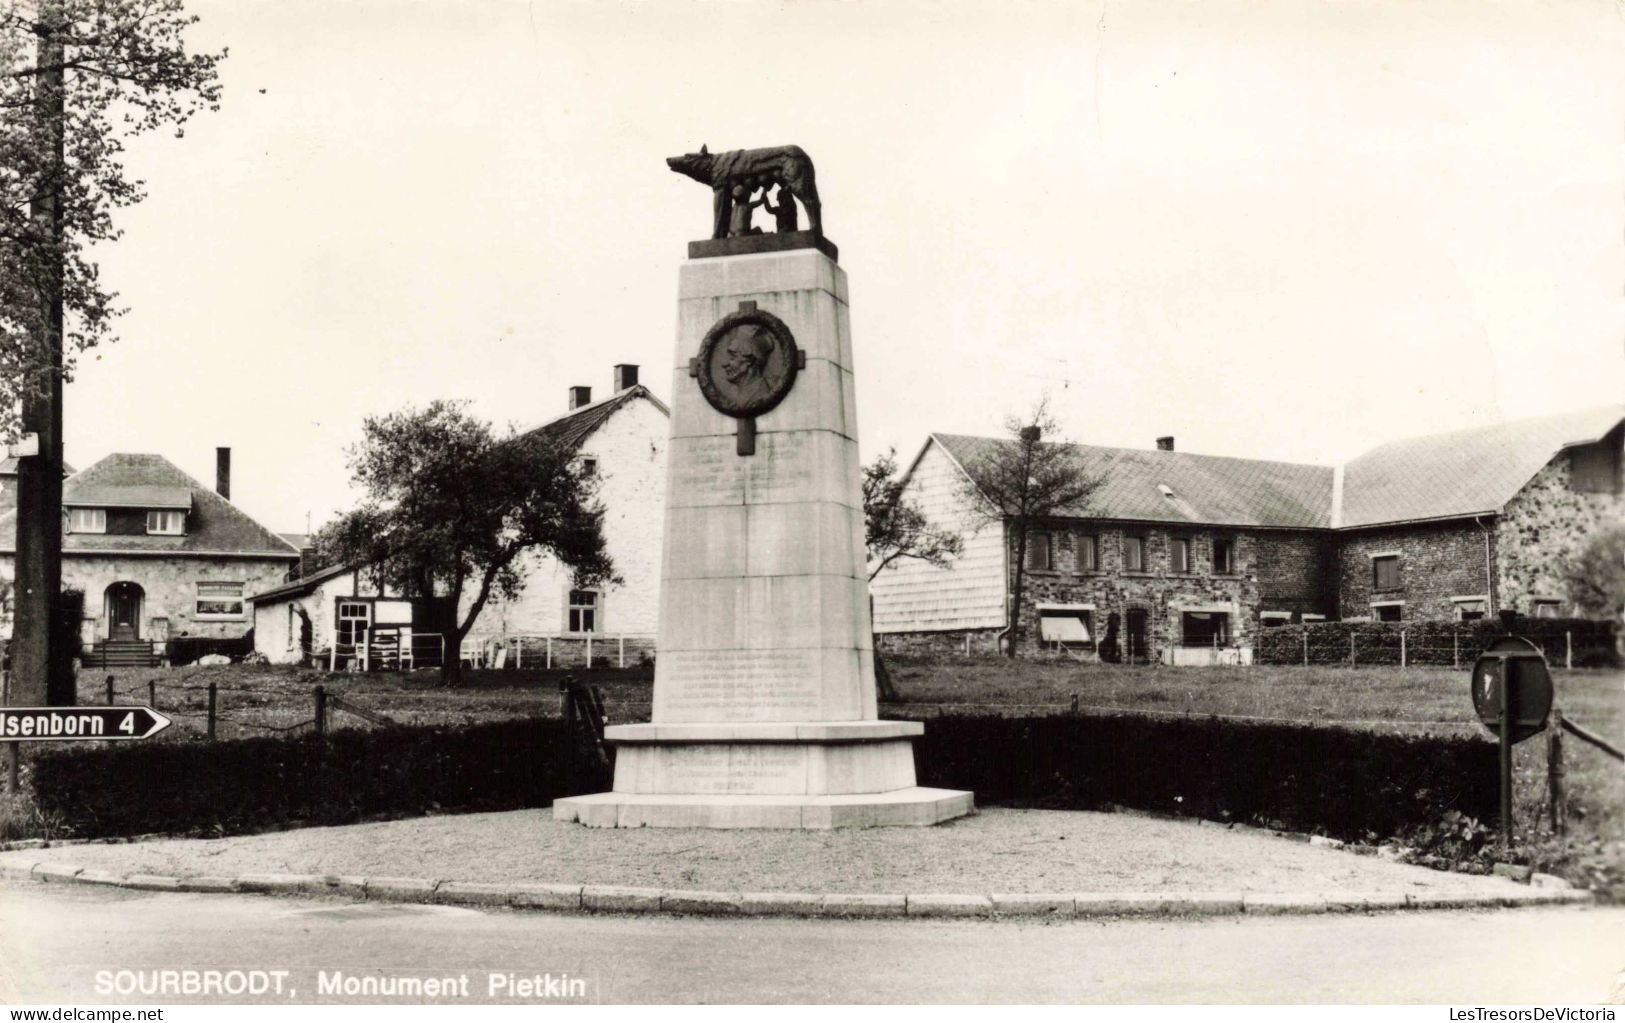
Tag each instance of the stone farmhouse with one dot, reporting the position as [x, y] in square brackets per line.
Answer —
[622, 439]
[1193, 554]
[157, 555]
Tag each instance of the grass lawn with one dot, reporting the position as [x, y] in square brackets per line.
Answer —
[261, 700]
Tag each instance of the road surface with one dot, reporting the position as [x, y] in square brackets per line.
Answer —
[54, 939]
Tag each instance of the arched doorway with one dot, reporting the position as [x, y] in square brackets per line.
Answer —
[123, 603]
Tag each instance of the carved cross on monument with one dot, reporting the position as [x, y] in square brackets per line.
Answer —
[747, 364]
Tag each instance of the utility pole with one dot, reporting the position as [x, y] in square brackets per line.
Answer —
[41, 674]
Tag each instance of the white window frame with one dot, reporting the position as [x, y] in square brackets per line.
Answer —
[219, 616]
[574, 613]
[87, 520]
[164, 517]
[1307, 618]
[1275, 616]
[339, 617]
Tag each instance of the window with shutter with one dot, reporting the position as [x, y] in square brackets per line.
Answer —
[1179, 555]
[1087, 557]
[1134, 554]
[1039, 552]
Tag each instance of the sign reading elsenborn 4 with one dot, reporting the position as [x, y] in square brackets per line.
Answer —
[58, 724]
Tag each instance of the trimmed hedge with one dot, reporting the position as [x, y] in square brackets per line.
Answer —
[1434, 643]
[346, 776]
[1342, 782]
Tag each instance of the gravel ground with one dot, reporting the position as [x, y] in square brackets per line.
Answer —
[997, 850]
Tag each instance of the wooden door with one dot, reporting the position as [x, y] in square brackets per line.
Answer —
[124, 611]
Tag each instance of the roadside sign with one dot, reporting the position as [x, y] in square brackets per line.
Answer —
[1520, 664]
[66, 724]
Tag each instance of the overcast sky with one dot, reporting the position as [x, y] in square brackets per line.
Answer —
[1274, 230]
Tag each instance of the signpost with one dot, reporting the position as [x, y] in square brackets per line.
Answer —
[1512, 693]
[65, 724]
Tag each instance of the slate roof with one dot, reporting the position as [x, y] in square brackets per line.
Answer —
[1206, 488]
[92, 496]
[571, 429]
[1441, 476]
[213, 526]
[1464, 472]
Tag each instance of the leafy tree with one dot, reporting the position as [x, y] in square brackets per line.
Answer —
[1023, 481]
[78, 79]
[452, 506]
[1596, 576]
[895, 527]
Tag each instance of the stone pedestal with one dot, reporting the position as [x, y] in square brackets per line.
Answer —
[764, 696]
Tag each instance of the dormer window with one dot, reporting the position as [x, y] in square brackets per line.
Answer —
[589, 466]
[87, 520]
[166, 523]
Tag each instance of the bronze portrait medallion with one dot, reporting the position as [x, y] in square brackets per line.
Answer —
[747, 363]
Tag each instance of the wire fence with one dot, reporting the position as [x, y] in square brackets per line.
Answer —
[171, 700]
[1566, 643]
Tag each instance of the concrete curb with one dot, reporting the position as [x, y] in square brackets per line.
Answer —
[30, 865]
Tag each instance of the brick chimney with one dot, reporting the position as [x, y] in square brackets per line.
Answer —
[626, 376]
[1165, 443]
[580, 396]
[222, 472]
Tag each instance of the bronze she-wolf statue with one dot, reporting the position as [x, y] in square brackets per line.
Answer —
[787, 166]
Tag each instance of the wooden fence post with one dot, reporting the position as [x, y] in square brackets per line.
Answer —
[213, 693]
[1568, 649]
[152, 694]
[1306, 646]
[321, 710]
[589, 650]
[621, 652]
[1352, 661]
[1555, 772]
[967, 644]
[109, 690]
[1402, 647]
[1455, 647]
[550, 651]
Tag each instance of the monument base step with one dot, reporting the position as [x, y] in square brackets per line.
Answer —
[916, 807]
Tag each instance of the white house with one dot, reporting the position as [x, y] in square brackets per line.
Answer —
[622, 439]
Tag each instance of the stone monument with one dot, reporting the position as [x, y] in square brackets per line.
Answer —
[764, 694]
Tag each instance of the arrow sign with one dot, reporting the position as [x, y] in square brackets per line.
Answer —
[63, 724]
